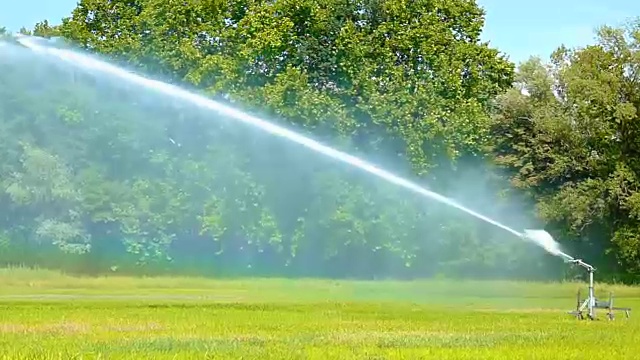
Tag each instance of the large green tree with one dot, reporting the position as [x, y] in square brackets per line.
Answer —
[413, 73]
[569, 132]
[96, 166]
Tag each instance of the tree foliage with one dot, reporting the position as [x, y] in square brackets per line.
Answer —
[572, 142]
[103, 174]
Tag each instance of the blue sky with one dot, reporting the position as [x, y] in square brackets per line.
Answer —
[518, 28]
[525, 28]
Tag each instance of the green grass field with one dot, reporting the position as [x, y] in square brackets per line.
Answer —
[47, 315]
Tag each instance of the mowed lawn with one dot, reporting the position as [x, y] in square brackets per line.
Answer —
[47, 315]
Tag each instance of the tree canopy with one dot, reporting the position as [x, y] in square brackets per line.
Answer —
[573, 142]
[97, 174]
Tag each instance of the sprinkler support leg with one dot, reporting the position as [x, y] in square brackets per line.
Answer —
[610, 314]
[592, 296]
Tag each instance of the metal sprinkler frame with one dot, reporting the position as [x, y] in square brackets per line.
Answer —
[591, 303]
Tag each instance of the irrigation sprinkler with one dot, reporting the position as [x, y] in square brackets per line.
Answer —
[591, 303]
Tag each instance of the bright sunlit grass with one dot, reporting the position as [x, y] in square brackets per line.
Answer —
[48, 315]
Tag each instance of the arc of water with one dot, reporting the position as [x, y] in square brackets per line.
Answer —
[94, 65]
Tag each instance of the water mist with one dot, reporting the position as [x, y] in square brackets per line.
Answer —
[93, 65]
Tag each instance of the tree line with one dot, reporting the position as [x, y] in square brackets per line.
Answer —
[98, 175]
